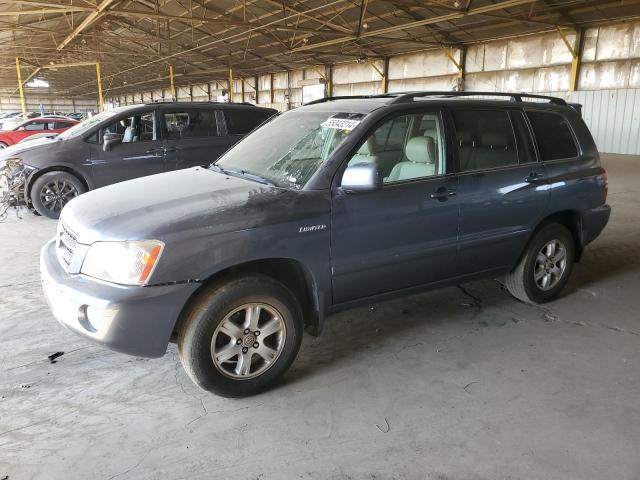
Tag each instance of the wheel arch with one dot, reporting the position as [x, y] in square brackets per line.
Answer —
[292, 273]
[55, 168]
[571, 219]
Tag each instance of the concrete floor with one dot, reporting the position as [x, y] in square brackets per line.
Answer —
[452, 384]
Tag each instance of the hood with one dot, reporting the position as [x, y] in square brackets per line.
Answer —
[20, 148]
[172, 204]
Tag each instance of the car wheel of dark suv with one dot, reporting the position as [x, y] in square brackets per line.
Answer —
[53, 190]
[544, 269]
[240, 337]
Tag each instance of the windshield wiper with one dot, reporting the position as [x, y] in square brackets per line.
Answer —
[244, 174]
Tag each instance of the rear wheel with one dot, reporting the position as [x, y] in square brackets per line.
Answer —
[53, 190]
[239, 338]
[545, 266]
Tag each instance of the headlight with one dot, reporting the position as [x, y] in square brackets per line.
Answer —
[127, 263]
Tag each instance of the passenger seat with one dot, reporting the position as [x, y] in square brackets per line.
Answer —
[421, 153]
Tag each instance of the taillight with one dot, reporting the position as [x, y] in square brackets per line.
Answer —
[605, 179]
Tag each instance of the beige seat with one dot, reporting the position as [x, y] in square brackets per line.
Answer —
[421, 153]
[366, 153]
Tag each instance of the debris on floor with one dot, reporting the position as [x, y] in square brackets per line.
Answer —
[53, 356]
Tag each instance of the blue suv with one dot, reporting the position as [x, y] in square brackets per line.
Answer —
[344, 201]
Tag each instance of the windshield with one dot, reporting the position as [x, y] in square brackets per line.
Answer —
[86, 125]
[289, 149]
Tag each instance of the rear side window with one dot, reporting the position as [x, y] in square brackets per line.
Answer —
[553, 136]
[485, 139]
[242, 121]
[189, 123]
[57, 125]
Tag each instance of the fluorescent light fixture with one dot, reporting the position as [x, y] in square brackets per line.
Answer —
[37, 83]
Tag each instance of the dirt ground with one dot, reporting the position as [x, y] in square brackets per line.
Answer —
[455, 384]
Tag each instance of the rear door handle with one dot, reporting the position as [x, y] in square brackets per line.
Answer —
[442, 194]
[171, 149]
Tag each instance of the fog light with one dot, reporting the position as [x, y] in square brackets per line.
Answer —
[95, 319]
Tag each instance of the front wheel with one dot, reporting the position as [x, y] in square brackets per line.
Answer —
[3, 145]
[544, 269]
[240, 337]
[53, 190]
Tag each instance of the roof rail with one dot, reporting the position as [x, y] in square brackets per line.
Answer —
[349, 97]
[515, 97]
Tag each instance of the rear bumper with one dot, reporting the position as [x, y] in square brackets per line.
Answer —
[593, 222]
[128, 319]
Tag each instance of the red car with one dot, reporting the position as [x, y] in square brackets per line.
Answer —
[33, 126]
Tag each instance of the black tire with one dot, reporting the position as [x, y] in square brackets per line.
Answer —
[522, 283]
[3, 145]
[211, 308]
[53, 190]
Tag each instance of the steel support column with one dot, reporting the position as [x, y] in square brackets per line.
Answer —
[99, 79]
[23, 104]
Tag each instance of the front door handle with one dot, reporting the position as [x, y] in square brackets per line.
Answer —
[442, 194]
[154, 151]
[534, 177]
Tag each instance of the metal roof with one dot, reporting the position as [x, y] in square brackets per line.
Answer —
[136, 40]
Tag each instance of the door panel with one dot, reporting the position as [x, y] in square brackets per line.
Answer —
[393, 238]
[405, 233]
[498, 211]
[139, 154]
[501, 187]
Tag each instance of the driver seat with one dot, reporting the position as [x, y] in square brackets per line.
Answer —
[421, 155]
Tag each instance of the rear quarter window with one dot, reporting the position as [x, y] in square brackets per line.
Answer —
[553, 136]
[242, 121]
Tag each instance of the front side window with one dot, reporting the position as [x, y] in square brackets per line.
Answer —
[136, 128]
[553, 136]
[485, 139]
[35, 126]
[288, 150]
[406, 147]
[189, 123]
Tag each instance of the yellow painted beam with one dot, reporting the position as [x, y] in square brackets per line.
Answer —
[575, 62]
[99, 79]
[172, 86]
[23, 104]
[230, 85]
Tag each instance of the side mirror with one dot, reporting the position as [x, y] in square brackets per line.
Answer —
[109, 140]
[362, 177]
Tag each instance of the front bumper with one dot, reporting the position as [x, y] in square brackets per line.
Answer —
[128, 319]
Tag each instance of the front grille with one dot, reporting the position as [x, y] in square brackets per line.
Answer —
[66, 245]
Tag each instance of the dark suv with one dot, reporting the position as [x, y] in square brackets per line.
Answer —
[338, 203]
[129, 142]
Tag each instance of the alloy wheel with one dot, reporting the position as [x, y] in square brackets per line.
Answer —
[248, 341]
[551, 263]
[56, 194]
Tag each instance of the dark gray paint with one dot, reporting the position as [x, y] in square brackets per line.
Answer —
[376, 244]
[126, 161]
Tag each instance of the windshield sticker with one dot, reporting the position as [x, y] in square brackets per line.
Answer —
[343, 121]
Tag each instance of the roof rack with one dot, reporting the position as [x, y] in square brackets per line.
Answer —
[351, 97]
[401, 97]
[514, 97]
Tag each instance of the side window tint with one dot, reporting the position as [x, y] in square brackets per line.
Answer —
[526, 150]
[404, 149]
[57, 125]
[553, 136]
[241, 121]
[485, 139]
[195, 123]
